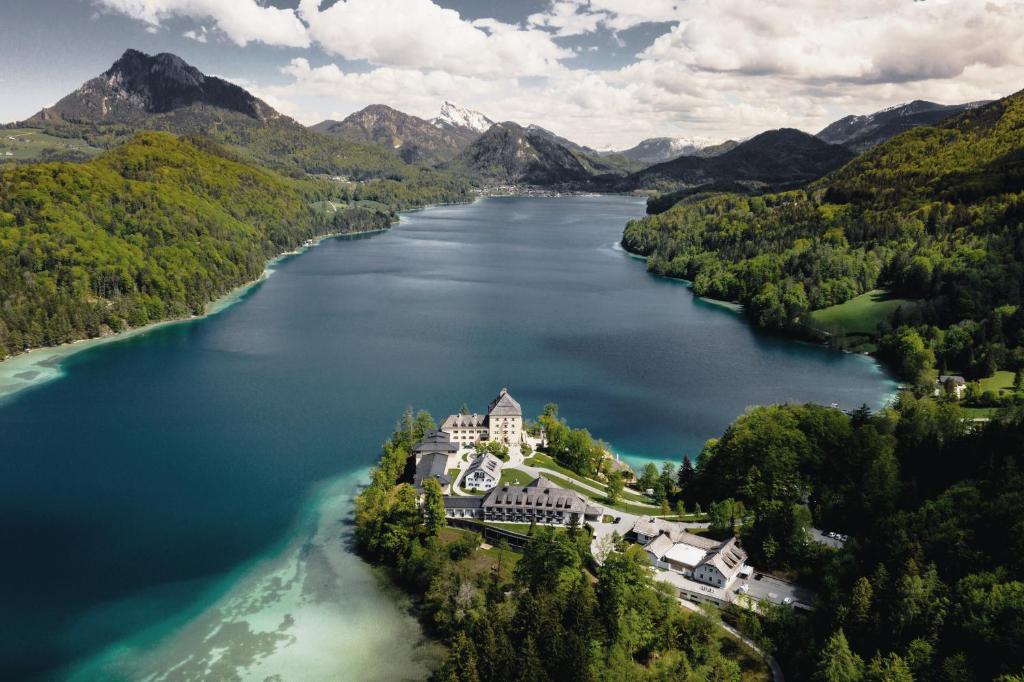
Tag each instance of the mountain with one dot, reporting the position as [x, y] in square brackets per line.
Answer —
[139, 84]
[162, 92]
[661, 149]
[774, 158]
[509, 154]
[454, 117]
[414, 139]
[863, 132]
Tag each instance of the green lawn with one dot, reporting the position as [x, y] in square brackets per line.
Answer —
[858, 316]
[514, 477]
[29, 144]
[1001, 383]
[547, 462]
[621, 506]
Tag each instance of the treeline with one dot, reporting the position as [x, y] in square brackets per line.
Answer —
[574, 449]
[934, 214]
[930, 585]
[539, 616]
[155, 229]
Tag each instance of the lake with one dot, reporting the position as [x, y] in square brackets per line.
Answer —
[175, 503]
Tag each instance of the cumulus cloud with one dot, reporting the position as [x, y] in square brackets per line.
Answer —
[420, 34]
[242, 21]
[722, 68]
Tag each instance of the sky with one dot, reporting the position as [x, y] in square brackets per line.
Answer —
[604, 73]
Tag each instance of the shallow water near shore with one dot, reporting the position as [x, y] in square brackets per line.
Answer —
[176, 500]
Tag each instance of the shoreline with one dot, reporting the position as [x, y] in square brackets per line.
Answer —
[39, 366]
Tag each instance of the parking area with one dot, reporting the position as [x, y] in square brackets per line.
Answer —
[822, 538]
[770, 589]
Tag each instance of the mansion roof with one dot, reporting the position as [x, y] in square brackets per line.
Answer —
[504, 406]
[464, 421]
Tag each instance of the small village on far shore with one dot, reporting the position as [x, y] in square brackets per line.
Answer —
[502, 485]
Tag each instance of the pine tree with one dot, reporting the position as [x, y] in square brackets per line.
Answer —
[460, 666]
[837, 663]
[433, 507]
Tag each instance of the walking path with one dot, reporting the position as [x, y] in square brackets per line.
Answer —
[773, 665]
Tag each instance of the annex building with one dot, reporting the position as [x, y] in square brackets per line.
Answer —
[539, 501]
[671, 547]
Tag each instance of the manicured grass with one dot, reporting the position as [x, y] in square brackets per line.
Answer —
[979, 412]
[860, 315]
[1001, 383]
[29, 143]
[545, 461]
[454, 474]
[514, 477]
[621, 506]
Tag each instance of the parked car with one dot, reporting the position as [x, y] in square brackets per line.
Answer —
[787, 601]
[844, 537]
[832, 535]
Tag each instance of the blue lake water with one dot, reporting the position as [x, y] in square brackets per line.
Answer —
[166, 479]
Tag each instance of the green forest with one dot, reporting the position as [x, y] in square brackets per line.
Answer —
[930, 585]
[160, 226]
[540, 615]
[932, 215]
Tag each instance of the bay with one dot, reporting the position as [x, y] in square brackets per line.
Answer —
[175, 503]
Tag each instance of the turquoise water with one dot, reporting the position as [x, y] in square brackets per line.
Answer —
[166, 497]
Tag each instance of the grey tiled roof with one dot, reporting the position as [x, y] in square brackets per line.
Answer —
[436, 441]
[463, 421]
[488, 463]
[538, 494]
[504, 406]
[434, 465]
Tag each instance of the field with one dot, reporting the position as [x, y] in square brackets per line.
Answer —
[1000, 383]
[28, 144]
[859, 316]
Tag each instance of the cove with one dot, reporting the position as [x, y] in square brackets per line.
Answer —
[176, 502]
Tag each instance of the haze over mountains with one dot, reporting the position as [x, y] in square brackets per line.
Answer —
[163, 92]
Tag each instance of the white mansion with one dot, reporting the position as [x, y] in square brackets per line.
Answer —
[503, 423]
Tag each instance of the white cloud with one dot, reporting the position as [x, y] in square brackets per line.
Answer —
[726, 68]
[420, 34]
[242, 21]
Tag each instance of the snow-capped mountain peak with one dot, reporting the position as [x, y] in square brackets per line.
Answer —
[461, 117]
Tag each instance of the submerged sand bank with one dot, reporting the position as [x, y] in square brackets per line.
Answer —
[308, 609]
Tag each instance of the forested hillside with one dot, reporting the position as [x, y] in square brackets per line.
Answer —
[933, 214]
[930, 585]
[155, 229]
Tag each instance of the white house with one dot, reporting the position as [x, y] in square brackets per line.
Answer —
[956, 385]
[670, 547]
[483, 473]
